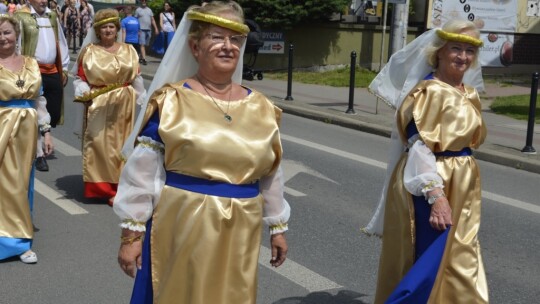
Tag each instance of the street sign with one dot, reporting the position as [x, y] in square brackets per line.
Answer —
[274, 43]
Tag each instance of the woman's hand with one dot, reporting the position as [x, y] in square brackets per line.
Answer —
[279, 247]
[48, 146]
[130, 253]
[441, 214]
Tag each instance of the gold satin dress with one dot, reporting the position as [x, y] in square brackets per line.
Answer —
[18, 140]
[110, 116]
[205, 248]
[447, 120]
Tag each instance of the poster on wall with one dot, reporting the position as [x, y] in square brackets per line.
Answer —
[517, 16]
[488, 15]
[497, 50]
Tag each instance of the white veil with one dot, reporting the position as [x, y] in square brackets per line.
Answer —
[178, 63]
[399, 76]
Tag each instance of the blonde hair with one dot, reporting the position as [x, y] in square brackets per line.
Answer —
[453, 26]
[12, 21]
[104, 14]
[216, 8]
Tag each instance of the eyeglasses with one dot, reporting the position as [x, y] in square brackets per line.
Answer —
[236, 40]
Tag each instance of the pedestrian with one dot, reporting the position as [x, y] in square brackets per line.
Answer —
[131, 29]
[48, 46]
[431, 203]
[72, 23]
[86, 20]
[22, 111]
[146, 22]
[167, 24]
[3, 8]
[12, 7]
[108, 82]
[204, 174]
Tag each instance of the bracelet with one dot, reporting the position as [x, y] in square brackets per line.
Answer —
[433, 198]
[130, 239]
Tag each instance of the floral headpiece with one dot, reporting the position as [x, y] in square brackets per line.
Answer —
[459, 38]
[219, 21]
[106, 20]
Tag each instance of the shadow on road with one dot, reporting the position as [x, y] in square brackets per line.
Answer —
[342, 297]
[73, 188]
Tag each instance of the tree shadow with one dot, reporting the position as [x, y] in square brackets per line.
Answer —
[342, 297]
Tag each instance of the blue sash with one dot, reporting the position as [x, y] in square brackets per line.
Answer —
[17, 103]
[463, 152]
[216, 188]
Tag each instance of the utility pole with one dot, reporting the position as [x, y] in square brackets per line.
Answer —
[400, 23]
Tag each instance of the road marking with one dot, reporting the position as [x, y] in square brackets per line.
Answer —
[58, 199]
[485, 194]
[297, 273]
[511, 202]
[65, 149]
[358, 158]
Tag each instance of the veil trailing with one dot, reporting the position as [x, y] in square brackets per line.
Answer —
[178, 63]
[405, 69]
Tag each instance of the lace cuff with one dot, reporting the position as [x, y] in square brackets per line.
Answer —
[278, 228]
[133, 225]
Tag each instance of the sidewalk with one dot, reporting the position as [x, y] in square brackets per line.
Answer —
[506, 136]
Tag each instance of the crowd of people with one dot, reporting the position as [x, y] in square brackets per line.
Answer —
[172, 185]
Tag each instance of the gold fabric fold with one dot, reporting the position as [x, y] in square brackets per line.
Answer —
[447, 120]
[205, 248]
[18, 138]
[109, 118]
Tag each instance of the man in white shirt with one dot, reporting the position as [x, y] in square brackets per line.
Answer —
[41, 30]
[146, 19]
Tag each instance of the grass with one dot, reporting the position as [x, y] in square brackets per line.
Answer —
[335, 78]
[513, 106]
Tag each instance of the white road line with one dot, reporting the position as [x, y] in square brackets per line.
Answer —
[58, 199]
[358, 158]
[511, 202]
[488, 195]
[65, 149]
[298, 274]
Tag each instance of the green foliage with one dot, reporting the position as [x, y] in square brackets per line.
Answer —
[270, 14]
[285, 14]
[514, 106]
[335, 78]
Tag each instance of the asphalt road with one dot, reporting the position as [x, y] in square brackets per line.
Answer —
[333, 178]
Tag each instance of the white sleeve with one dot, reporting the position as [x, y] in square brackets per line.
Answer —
[420, 174]
[80, 86]
[44, 119]
[140, 185]
[276, 210]
[64, 49]
[138, 85]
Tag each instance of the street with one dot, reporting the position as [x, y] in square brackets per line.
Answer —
[333, 179]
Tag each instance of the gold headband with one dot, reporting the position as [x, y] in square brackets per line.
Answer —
[106, 20]
[219, 21]
[459, 38]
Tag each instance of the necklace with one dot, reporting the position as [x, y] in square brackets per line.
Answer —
[226, 115]
[19, 83]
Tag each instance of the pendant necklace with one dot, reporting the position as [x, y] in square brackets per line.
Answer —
[19, 83]
[226, 115]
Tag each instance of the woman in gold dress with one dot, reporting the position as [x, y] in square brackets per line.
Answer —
[108, 83]
[23, 114]
[204, 174]
[430, 251]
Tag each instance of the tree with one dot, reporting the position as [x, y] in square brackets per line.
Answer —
[285, 14]
[280, 14]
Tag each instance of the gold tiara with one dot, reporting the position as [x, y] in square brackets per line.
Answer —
[219, 21]
[459, 38]
[106, 20]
